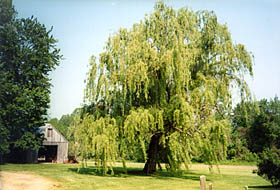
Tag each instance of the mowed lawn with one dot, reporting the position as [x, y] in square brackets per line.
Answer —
[66, 176]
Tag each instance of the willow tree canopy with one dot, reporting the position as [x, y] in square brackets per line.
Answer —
[167, 82]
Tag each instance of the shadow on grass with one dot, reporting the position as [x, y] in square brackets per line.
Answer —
[132, 172]
[264, 187]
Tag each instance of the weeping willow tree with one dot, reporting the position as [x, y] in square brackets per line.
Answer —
[167, 86]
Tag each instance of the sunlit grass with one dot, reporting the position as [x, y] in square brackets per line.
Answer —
[230, 177]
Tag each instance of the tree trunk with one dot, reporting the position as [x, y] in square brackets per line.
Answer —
[153, 151]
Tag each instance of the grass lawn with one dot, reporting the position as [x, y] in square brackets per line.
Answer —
[231, 177]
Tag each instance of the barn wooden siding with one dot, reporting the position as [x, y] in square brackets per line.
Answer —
[56, 138]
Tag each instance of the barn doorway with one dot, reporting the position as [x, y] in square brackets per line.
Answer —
[48, 153]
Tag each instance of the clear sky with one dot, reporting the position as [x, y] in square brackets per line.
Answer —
[83, 26]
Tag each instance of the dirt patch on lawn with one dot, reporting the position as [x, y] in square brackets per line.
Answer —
[23, 181]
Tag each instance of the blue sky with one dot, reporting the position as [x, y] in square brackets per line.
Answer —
[82, 28]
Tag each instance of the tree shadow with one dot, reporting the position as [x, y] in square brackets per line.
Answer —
[132, 172]
[179, 174]
[264, 187]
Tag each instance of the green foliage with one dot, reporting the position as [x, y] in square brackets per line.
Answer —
[269, 166]
[4, 140]
[265, 139]
[7, 12]
[27, 55]
[98, 139]
[265, 130]
[244, 115]
[73, 146]
[257, 132]
[29, 141]
[6, 16]
[63, 123]
[166, 81]
[238, 149]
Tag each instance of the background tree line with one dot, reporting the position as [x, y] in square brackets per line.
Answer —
[255, 136]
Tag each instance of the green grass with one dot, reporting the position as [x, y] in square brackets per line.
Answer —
[238, 163]
[230, 177]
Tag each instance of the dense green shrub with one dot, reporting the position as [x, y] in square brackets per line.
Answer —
[264, 138]
[269, 166]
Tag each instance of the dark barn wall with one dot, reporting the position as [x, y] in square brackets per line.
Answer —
[31, 156]
[1, 159]
[22, 157]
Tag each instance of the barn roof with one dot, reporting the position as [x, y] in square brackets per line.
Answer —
[48, 125]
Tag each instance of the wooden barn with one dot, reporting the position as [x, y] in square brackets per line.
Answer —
[55, 146]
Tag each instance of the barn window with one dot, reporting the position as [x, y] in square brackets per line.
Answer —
[49, 132]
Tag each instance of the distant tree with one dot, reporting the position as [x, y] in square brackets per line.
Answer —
[172, 74]
[242, 118]
[6, 16]
[65, 121]
[265, 139]
[7, 12]
[265, 130]
[55, 122]
[244, 115]
[62, 124]
[27, 55]
[269, 165]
